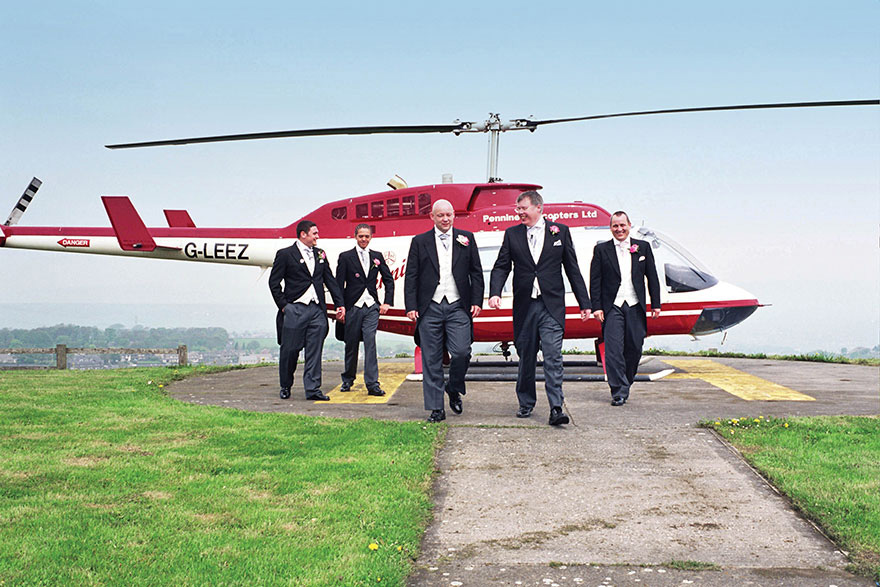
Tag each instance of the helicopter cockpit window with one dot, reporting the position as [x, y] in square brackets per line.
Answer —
[340, 213]
[681, 270]
[409, 206]
[424, 203]
[361, 211]
[393, 207]
[377, 209]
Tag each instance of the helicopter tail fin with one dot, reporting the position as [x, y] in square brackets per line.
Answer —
[23, 202]
[131, 232]
[179, 219]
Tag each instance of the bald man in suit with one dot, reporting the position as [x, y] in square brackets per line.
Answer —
[443, 292]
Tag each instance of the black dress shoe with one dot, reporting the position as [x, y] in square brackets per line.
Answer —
[377, 392]
[345, 387]
[617, 401]
[318, 396]
[437, 416]
[524, 412]
[284, 393]
[463, 390]
[455, 403]
[557, 417]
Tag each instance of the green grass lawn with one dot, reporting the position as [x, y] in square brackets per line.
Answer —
[829, 467]
[105, 480]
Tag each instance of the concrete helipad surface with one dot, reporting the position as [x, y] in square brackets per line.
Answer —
[617, 494]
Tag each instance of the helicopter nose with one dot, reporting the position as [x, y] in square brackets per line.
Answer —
[713, 320]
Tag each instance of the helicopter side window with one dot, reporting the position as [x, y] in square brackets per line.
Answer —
[340, 213]
[487, 260]
[361, 211]
[409, 206]
[377, 209]
[393, 207]
[424, 203]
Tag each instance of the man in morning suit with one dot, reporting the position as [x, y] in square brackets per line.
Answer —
[443, 292]
[356, 273]
[617, 284]
[302, 312]
[538, 250]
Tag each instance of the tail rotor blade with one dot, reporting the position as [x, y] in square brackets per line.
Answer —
[23, 202]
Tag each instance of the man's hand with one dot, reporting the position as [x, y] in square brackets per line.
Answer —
[340, 313]
[475, 311]
[383, 309]
[495, 302]
[413, 315]
[655, 313]
[599, 315]
[585, 315]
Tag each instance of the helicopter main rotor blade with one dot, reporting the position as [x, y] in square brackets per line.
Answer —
[492, 125]
[314, 132]
[534, 123]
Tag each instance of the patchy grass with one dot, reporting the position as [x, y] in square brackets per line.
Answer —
[106, 480]
[828, 466]
[691, 566]
[812, 357]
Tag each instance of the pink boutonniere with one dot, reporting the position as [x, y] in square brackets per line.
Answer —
[322, 255]
[376, 262]
[463, 240]
[634, 249]
[554, 229]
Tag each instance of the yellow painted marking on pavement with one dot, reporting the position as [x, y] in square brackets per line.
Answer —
[739, 383]
[391, 375]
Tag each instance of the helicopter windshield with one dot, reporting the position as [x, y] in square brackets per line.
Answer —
[682, 271]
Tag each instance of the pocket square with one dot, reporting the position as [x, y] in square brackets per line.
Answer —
[641, 258]
[557, 243]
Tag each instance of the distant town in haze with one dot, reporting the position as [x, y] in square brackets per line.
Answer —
[222, 335]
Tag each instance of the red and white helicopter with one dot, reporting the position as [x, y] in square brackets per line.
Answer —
[695, 302]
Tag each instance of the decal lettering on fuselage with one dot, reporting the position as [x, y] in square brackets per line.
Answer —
[74, 242]
[217, 251]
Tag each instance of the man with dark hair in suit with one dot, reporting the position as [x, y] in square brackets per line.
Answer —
[356, 273]
[302, 312]
[617, 284]
[443, 291]
[538, 250]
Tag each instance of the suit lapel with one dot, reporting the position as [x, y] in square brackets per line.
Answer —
[634, 262]
[523, 239]
[612, 257]
[371, 265]
[431, 245]
[547, 241]
[298, 258]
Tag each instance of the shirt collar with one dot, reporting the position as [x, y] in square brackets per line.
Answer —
[438, 232]
[359, 249]
[303, 248]
[539, 225]
[627, 243]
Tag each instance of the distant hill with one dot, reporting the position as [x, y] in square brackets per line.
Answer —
[196, 339]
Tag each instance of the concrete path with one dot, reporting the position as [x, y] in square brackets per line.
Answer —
[620, 496]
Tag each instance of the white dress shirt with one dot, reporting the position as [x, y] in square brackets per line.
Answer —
[308, 255]
[364, 256]
[446, 288]
[626, 292]
[535, 236]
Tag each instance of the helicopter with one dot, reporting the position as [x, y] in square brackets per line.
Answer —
[695, 301]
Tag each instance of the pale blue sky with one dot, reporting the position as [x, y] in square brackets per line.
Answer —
[782, 203]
